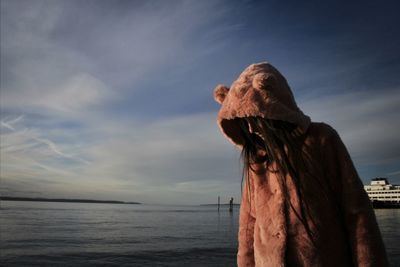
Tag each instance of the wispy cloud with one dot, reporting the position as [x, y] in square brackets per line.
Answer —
[9, 123]
[72, 59]
[23, 139]
[169, 157]
[365, 121]
[116, 97]
[63, 65]
[395, 173]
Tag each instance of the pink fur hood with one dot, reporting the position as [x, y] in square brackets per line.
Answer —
[340, 213]
[259, 91]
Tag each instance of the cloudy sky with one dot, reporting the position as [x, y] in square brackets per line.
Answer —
[113, 99]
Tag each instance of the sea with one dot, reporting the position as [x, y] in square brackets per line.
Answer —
[89, 234]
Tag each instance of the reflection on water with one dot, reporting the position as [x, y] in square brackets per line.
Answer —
[72, 234]
[389, 222]
[39, 233]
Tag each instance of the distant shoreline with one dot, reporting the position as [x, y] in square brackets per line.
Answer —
[40, 199]
[234, 204]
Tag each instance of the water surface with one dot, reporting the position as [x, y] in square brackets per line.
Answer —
[86, 234]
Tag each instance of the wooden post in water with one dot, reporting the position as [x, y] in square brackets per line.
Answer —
[218, 203]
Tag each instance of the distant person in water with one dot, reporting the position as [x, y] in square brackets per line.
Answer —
[303, 203]
[231, 204]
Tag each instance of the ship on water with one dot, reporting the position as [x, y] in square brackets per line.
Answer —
[383, 194]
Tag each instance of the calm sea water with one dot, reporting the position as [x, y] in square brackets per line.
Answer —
[76, 234]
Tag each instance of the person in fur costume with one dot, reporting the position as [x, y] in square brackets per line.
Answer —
[303, 203]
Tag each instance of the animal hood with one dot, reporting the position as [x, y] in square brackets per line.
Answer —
[261, 90]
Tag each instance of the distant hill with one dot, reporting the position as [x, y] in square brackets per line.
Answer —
[39, 199]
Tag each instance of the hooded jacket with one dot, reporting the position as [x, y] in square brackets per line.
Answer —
[345, 231]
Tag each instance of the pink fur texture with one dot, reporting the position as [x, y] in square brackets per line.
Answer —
[345, 231]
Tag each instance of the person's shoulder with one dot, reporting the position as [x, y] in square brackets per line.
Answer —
[321, 128]
[322, 131]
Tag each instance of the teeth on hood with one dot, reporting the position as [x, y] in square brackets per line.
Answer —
[260, 91]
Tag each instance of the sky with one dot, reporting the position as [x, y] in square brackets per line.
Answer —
[113, 99]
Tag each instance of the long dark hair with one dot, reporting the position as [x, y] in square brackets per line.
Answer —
[279, 142]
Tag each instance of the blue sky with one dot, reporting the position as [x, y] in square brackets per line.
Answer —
[113, 99]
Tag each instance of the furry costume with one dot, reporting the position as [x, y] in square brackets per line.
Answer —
[341, 216]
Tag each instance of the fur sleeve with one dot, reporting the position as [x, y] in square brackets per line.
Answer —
[245, 255]
[364, 237]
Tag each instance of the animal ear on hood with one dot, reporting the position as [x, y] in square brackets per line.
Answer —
[263, 80]
[220, 93]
